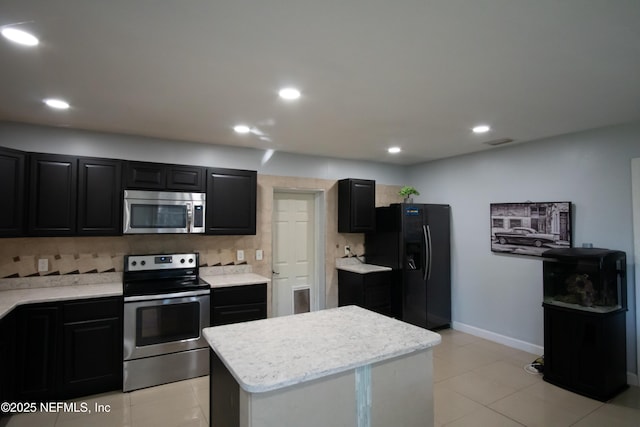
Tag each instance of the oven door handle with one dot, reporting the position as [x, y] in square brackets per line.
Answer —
[164, 296]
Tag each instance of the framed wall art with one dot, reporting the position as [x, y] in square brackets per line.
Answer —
[530, 228]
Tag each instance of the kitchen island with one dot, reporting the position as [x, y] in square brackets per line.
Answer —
[340, 367]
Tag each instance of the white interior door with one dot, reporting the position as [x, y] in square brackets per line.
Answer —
[293, 249]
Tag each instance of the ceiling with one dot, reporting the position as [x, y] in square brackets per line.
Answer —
[417, 74]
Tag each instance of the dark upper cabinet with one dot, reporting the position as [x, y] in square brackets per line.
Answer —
[187, 178]
[12, 191]
[99, 197]
[161, 177]
[52, 195]
[231, 201]
[356, 205]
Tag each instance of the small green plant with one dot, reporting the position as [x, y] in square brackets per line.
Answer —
[407, 191]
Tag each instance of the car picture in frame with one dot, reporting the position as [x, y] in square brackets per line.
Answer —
[530, 228]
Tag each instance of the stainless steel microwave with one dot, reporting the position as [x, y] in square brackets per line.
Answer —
[155, 212]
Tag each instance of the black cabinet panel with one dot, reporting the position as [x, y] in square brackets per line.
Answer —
[236, 304]
[231, 202]
[145, 176]
[92, 357]
[585, 352]
[52, 195]
[12, 191]
[356, 205]
[160, 176]
[37, 339]
[373, 291]
[186, 178]
[99, 197]
[7, 358]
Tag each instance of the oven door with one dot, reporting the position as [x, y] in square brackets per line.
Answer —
[161, 324]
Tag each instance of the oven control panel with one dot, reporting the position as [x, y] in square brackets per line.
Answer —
[160, 261]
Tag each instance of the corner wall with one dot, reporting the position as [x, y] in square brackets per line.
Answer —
[501, 295]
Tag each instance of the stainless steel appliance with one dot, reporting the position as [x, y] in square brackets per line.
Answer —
[151, 212]
[166, 306]
[413, 239]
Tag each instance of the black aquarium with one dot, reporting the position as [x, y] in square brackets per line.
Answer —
[587, 279]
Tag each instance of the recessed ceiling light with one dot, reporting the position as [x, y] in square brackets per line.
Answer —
[57, 103]
[481, 129]
[242, 129]
[289, 93]
[20, 37]
[394, 150]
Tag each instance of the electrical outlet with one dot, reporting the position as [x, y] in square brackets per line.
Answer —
[43, 264]
[347, 250]
[240, 255]
[259, 254]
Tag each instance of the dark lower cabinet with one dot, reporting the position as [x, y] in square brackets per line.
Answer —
[231, 202]
[585, 352]
[36, 352]
[91, 347]
[7, 358]
[68, 349]
[237, 304]
[373, 291]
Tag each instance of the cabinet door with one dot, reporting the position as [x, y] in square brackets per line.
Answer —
[7, 357]
[52, 207]
[186, 178]
[99, 197]
[356, 205]
[237, 313]
[145, 176]
[12, 190]
[92, 357]
[231, 202]
[36, 352]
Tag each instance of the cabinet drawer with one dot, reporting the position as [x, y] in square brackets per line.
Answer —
[83, 310]
[238, 313]
[235, 295]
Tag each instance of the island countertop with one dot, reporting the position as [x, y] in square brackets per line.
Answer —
[274, 353]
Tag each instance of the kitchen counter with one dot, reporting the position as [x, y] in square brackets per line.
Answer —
[339, 356]
[362, 268]
[236, 279]
[9, 299]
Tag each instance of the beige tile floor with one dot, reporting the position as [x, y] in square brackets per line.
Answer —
[476, 383]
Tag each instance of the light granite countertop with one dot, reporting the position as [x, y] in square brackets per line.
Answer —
[271, 354]
[9, 299]
[237, 279]
[362, 268]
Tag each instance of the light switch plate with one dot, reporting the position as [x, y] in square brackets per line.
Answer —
[259, 255]
[240, 255]
[43, 264]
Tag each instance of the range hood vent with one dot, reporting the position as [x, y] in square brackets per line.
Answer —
[501, 141]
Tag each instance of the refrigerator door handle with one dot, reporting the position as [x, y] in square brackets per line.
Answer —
[427, 257]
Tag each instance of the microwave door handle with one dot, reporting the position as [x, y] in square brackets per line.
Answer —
[189, 218]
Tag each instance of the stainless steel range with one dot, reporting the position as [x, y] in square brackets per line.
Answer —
[166, 306]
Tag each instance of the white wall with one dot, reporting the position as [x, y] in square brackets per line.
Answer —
[44, 139]
[502, 294]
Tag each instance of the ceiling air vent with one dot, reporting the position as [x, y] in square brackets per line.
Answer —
[495, 142]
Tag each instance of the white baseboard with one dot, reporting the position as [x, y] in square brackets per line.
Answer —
[632, 379]
[500, 339]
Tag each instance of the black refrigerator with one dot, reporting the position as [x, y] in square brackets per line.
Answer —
[414, 240]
